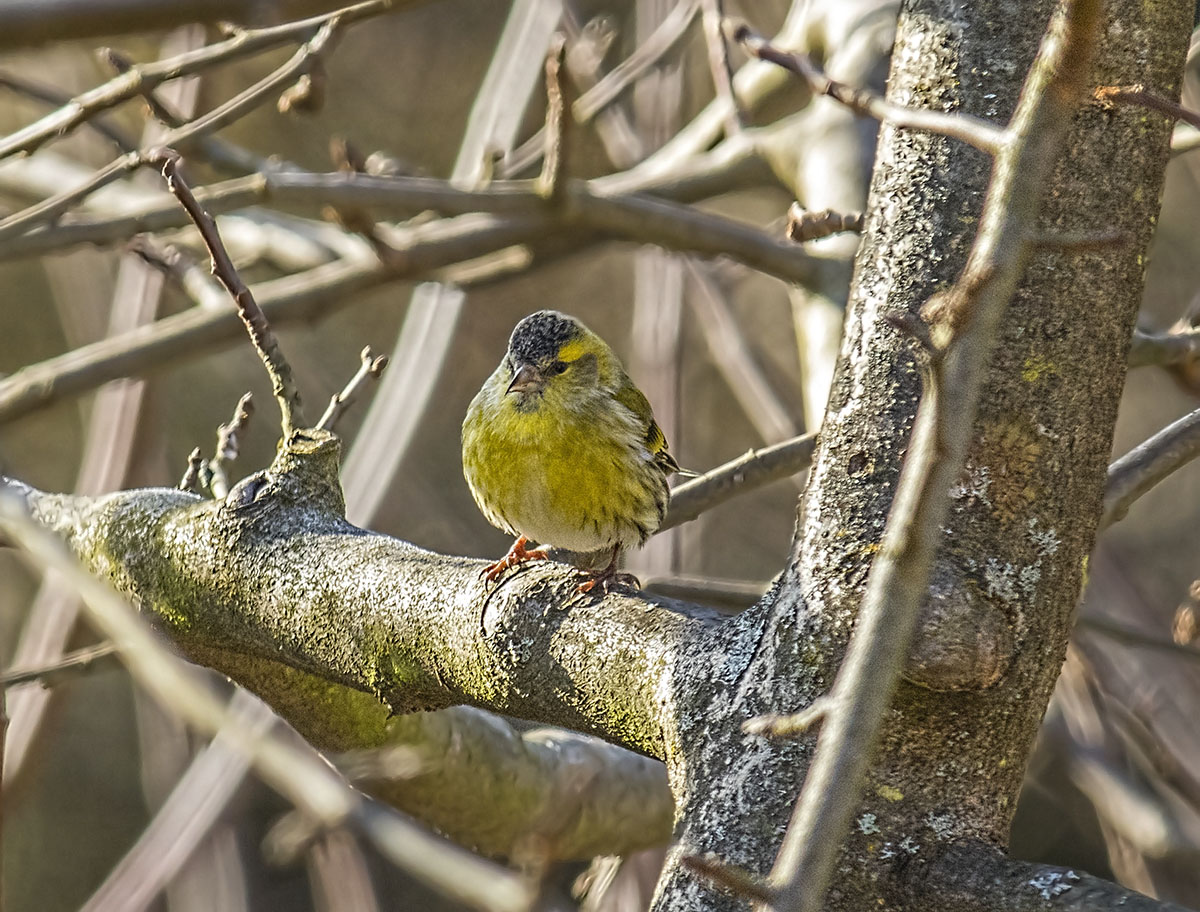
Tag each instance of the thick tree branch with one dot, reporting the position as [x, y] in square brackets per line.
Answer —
[297, 774]
[417, 630]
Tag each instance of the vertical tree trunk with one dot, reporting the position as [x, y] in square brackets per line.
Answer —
[1023, 518]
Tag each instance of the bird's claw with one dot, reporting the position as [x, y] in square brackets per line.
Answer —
[607, 579]
[516, 556]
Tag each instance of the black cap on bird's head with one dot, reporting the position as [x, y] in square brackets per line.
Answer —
[540, 336]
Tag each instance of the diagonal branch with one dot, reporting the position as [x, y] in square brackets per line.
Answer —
[221, 116]
[283, 384]
[979, 133]
[1147, 464]
[146, 77]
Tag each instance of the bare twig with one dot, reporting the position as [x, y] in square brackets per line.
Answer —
[1164, 349]
[965, 329]
[608, 89]
[185, 271]
[228, 445]
[370, 368]
[804, 225]
[144, 78]
[193, 474]
[718, 63]
[648, 54]
[305, 780]
[53, 96]
[1147, 464]
[774, 725]
[72, 665]
[742, 475]
[736, 880]
[218, 117]
[1132, 637]
[557, 130]
[1138, 95]
[974, 131]
[427, 248]
[727, 594]
[283, 385]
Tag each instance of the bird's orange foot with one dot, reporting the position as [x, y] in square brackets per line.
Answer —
[516, 556]
[607, 579]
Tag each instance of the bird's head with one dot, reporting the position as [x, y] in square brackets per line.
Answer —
[553, 357]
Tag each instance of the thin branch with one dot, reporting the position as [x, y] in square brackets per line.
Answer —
[283, 384]
[775, 725]
[370, 368]
[192, 474]
[1143, 467]
[52, 96]
[558, 127]
[586, 204]
[1164, 349]
[144, 78]
[72, 665]
[974, 131]
[228, 446]
[739, 476]
[737, 880]
[622, 77]
[1138, 95]
[718, 63]
[434, 247]
[965, 329]
[220, 116]
[430, 249]
[1131, 637]
[304, 779]
[804, 225]
[181, 268]
[647, 55]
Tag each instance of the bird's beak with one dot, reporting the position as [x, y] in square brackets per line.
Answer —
[526, 380]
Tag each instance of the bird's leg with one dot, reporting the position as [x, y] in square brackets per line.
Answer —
[608, 577]
[516, 555]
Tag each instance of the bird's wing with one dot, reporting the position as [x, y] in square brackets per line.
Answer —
[655, 440]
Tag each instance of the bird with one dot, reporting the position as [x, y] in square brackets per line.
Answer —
[559, 447]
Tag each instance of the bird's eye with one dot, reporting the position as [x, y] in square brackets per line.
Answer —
[557, 367]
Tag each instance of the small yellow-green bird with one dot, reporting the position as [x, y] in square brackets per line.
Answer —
[559, 447]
